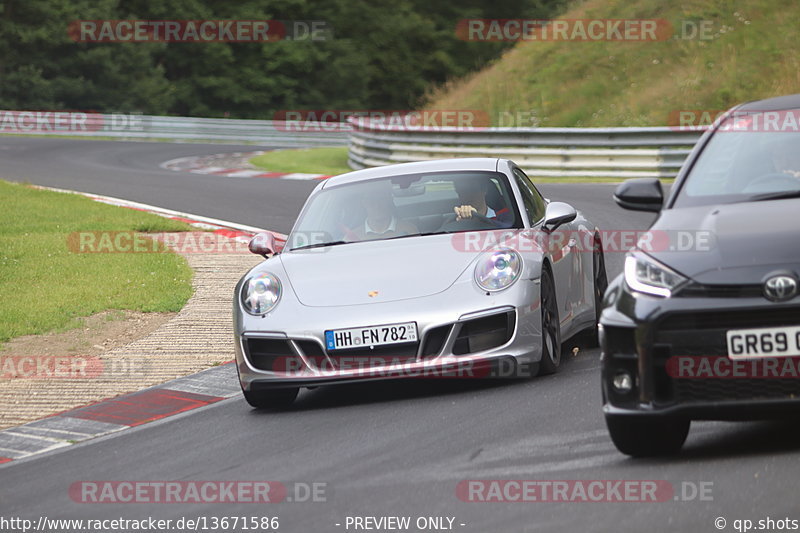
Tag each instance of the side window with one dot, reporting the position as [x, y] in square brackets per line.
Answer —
[533, 201]
[538, 199]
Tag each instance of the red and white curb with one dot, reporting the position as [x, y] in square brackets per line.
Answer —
[210, 165]
[120, 413]
[136, 408]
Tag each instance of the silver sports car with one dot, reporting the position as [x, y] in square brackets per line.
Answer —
[453, 268]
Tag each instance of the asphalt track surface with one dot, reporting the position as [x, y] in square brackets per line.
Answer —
[392, 448]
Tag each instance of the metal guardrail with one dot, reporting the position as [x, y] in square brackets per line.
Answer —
[134, 126]
[541, 152]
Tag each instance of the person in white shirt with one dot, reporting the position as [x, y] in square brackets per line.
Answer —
[381, 221]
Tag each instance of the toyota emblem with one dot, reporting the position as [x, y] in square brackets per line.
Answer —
[780, 288]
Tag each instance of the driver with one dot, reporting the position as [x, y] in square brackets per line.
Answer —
[381, 222]
[786, 157]
[471, 192]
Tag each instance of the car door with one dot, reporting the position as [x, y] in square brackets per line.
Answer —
[567, 263]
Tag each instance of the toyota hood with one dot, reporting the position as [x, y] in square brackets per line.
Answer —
[730, 244]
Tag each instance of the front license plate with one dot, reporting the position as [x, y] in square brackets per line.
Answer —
[339, 339]
[764, 342]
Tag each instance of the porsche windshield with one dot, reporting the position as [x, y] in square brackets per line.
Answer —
[405, 206]
[748, 158]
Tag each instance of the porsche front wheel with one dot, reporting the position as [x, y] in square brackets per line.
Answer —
[551, 327]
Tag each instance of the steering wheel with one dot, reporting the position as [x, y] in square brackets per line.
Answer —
[772, 182]
[475, 222]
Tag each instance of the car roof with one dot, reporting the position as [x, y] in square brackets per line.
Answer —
[438, 165]
[779, 103]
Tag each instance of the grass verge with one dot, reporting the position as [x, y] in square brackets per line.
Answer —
[330, 161]
[46, 287]
[745, 52]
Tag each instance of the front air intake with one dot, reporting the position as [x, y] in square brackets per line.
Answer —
[484, 333]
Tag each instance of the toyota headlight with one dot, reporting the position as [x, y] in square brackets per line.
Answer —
[645, 274]
[498, 270]
[261, 293]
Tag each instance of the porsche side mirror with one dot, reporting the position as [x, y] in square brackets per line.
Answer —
[557, 213]
[640, 194]
[263, 244]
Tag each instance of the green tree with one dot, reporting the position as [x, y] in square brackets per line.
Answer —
[383, 54]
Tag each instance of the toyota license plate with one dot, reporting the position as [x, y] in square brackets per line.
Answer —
[764, 342]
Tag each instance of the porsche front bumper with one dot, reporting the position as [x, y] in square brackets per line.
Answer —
[492, 336]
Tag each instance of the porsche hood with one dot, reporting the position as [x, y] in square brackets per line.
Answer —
[375, 271]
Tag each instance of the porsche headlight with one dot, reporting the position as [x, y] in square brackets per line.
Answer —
[498, 270]
[644, 274]
[261, 293]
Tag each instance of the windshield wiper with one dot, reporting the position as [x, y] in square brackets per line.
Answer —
[776, 195]
[435, 233]
[399, 237]
[319, 245]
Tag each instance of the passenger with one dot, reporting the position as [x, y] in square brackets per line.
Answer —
[381, 221]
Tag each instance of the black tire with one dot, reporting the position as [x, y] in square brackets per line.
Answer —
[551, 326]
[648, 436]
[271, 399]
[600, 277]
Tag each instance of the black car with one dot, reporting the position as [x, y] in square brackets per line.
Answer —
[704, 323]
